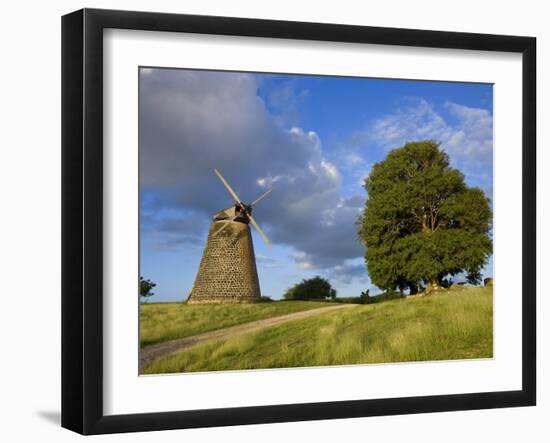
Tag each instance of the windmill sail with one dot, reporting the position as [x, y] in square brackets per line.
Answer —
[259, 230]
[260, 197]
[235, 196]
[247, 209]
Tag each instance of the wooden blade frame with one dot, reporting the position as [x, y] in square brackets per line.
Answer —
[233, 193]
[259, 230]
[261, 196]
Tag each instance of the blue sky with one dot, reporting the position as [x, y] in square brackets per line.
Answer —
[312, 139]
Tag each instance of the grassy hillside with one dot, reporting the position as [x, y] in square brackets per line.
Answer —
[167, 321]
[446, 325]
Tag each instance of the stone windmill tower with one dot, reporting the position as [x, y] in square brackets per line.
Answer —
[227, 272]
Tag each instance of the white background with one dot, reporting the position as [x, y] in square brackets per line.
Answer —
[125, 393]
[30, 222]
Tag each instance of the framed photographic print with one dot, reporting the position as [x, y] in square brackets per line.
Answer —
[269, 221]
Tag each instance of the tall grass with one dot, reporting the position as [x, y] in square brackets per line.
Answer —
[443, 326]
[166, 321]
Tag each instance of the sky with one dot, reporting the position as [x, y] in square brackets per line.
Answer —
[313, 139]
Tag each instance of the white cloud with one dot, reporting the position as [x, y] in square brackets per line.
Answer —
[284, 100]
[266, 262]
[330, 169]
[192, 122]
[467, 136]
[350, 271]
[471, 138]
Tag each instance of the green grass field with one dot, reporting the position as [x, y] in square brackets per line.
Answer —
[167, 321]
[442, 326]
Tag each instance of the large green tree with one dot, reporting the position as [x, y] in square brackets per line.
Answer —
[421, 222]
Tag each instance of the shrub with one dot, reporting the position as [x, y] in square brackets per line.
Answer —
[385, 296]
[311, 289]
[353, 300]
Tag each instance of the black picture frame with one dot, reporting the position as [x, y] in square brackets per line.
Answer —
[82, 218]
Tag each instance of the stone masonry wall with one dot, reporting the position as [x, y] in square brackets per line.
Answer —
[227, 272]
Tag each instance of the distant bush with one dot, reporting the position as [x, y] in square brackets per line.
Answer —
[316, 288]
[366, 299]
[363, 299]
[385, 296]
[488, 281]
[265, 299]
[353, 300]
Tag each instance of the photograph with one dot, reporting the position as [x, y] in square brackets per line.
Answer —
[299, 220]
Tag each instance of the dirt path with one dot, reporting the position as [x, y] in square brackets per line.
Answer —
[158, 350]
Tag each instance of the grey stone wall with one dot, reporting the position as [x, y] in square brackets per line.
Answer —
[227, 272]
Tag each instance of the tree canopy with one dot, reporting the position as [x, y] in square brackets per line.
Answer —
[146, 287]
[308, 289]
[421, 222]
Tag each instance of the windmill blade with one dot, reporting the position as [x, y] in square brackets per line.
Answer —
[259, 230]
[233, 194]
[261, 196]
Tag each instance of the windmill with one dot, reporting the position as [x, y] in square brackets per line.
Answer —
[227, 271]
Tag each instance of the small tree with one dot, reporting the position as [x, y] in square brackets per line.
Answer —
[146, 288]
[364, 298]
[308, 289]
